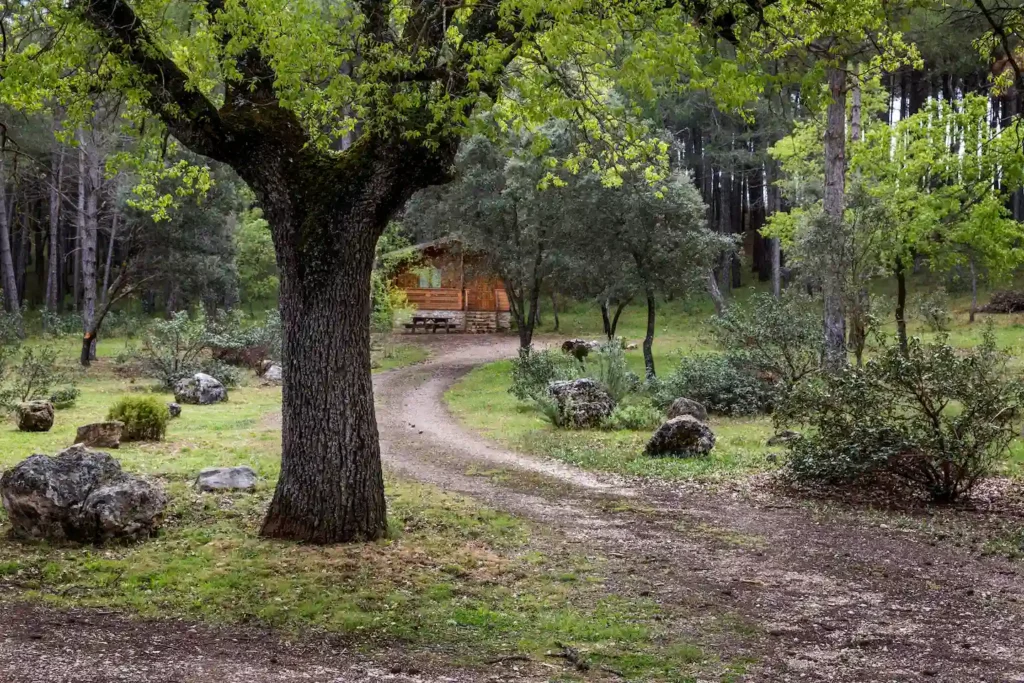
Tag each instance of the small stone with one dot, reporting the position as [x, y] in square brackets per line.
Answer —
[212, 479]
[100, 434]
[686, 406]
[35, 416]
[174, 409]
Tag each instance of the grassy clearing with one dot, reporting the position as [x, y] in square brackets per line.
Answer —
[483, 404]
[454, 579]
[481, 400]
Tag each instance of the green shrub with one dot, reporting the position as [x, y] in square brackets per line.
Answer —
[533, 371]
[778, 340]
[933, 309]
[640, 415]
[936, 420]
[65, 397]
[610, 369]
[229, 375]
[33, 375]
[145, 418]
[720, 383]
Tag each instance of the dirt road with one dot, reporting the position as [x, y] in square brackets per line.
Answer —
[812, 598]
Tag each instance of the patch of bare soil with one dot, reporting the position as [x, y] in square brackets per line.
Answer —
[42, 645]
[810, 595]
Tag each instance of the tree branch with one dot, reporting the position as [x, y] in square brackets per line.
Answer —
[186, 112]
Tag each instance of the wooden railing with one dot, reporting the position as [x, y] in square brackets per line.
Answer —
[435, 299]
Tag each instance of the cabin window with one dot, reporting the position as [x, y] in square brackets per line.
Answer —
[430, 278]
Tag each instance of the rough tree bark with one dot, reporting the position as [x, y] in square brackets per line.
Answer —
[87, 250]
[114, 220]
[716, 294]
[833, 205]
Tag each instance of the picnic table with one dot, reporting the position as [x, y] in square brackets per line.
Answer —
[430, 322]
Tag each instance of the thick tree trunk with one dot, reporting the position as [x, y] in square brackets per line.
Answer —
[331, 485]
[619, 308]
[606, 320]
[9, 283]
[901, 305]
[649, 338]
[833, 205]
[87, 249]
[554, 312]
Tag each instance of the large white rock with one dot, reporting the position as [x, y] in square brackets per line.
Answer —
[200, 389]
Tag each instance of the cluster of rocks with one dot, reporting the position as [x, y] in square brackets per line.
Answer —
[84, 496]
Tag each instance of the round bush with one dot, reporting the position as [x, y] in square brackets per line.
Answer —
[145, 418]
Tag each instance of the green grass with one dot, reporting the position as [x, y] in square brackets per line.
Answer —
[482, 402]
[453, 579]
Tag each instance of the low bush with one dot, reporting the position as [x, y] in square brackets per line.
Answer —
[533, 371]
[933, 309]
[65, 397]
[610, 369]
[776, 339]
[721, 383]
[640, 415]
[935, 420]
[145, 418]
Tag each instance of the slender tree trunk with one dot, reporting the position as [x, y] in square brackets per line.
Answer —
[110, 258]
[79, 225]
[619, 308]
[9, 284]
[649, 338]
[974, 288]
[554, 312]
[901, 305]
[606, 320]
[87, 249]
[715, 292]
[833, 205]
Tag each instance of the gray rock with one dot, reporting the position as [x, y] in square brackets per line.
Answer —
[200, 389]
[581, 402]
[35, 416]
[686, 406]
[227, 479]
[683, 436]
[274, 375]
[264, 366]
[79, 495]
[784, 437]
[100, 435]
[174, 409]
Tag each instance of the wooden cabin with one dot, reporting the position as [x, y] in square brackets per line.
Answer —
[450, 282]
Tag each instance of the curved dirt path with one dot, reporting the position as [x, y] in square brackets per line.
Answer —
[810, 598]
